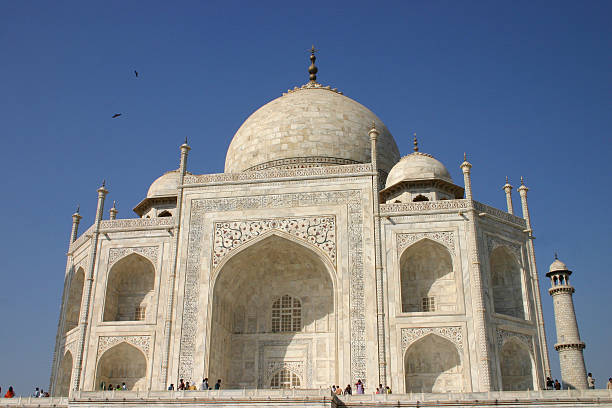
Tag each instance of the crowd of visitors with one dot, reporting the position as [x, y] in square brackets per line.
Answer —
[359, 389]
[186, 386]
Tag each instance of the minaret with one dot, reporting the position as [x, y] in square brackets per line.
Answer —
[113, 211]
[569, 346]
[508, 189]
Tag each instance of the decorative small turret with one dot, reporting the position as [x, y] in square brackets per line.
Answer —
[569, 345]
[113, 211]
[466, 167]
[508, 189]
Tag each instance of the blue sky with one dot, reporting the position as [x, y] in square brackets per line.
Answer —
[523, 87]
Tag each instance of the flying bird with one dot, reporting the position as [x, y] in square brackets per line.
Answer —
[116, 115]
[136, 73]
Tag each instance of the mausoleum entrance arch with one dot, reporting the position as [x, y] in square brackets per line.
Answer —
[273, 308]
[122, 363]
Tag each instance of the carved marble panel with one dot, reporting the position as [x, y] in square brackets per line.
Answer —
[504, 335]
[494, 241]
[352, 199]
[143, 343]
[412, 334]
[266, 371]
[297, 367]
[318, 231]
[149, 252]
[446, 238]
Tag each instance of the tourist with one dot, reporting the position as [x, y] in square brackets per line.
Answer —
[557, 385]
[10, 393]
[171, 387]
[46, 394]
[348, 390]
[41, 394]
[359, 387]
[103, 386]
[36, 393]
[204, 385]
[388, 390]
[181, 386]
[380, 389]
[591, 381]
[549, 383]
[609, 385]
[118, 387]
[338, 390]
[193, 387]
[110, 387]
[123, 387]
[218, 384]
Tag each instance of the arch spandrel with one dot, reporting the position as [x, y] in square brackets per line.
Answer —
[331, 267]
[407, 240]
[317, 231]
[119, 254]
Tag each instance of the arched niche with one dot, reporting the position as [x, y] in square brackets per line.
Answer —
[427, 278]
[515, 366]
[120, 364]
[62, 386]
[73, 303]
[273, 277]
[506, 283]
[433, 364]
[129, 290]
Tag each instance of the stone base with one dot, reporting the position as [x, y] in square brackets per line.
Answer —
[318, 398]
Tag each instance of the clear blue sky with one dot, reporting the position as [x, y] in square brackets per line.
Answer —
[524, 87]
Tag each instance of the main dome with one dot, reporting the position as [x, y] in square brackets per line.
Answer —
[307, 127]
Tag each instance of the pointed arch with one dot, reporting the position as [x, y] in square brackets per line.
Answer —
[516, 366]
[129, 289]
[433, 364]
[65, 374]
[506, 283]
[427, 278]
[280, 286]
[73, 303]
[122, 363]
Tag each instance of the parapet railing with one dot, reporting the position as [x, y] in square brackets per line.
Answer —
[391, 209]
[219, 394]
[192, 180]
[34, 402]
[128, 224]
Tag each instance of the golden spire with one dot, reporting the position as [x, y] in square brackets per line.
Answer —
[312, 69]
[522, 182]
[415, 143]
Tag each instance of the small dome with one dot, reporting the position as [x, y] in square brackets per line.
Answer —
[309, 126]
[166, 185]
[417, 166]
[557, 265]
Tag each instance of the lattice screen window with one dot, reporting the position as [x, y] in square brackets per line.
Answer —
[428, 304]
[286, 315]
[285, 379]
[140, 313]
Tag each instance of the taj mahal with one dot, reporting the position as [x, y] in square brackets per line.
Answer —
[319, 256]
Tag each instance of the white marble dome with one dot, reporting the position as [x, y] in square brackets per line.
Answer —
[165, 185]
[417, 166]
[311, 126]
[557, 265]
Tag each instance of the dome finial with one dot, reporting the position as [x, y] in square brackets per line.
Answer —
[556, 257]
[522, 181]
[312, 69]
[415, 143]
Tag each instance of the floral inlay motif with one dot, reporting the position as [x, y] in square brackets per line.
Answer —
[318, 231]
